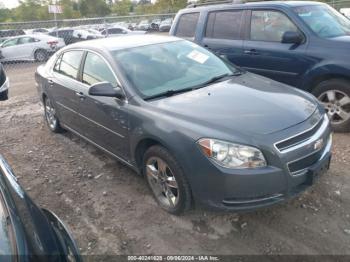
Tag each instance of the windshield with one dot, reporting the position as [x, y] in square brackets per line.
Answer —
[155, 69]
[325, 21]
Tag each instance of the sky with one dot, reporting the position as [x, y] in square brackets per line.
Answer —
[9, 3]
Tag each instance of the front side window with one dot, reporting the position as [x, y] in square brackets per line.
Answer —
[69, 65]
[11, 42]
[324, 20]
[175, 66]
[270, 26]
[96, 71]
[187, 25]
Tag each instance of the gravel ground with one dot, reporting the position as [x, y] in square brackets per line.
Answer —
[110, 210]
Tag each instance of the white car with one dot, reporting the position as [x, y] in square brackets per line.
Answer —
[143, 25]
[118, 31]
[29, 47]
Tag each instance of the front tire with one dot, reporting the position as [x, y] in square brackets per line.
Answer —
[166, 180]
[334, 94]
[50, 116]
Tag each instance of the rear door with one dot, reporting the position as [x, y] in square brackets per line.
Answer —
[187, 25]
[223, 34]
[264, 52]
[104, 120]
[64, 88]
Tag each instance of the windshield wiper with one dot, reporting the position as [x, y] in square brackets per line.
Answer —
[169, 93]
[172, 92]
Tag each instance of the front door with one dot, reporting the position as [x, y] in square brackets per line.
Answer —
[264, 52]
[104, 120]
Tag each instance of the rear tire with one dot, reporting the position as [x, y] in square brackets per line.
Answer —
[166, 180]
[40, 55]
[51, 118]
[334, 94]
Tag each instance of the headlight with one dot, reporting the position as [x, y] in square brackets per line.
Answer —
[231, 155]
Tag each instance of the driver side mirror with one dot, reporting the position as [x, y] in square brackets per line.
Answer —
[291, 37]
[106, 89]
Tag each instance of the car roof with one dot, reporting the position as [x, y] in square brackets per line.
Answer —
[123, 42]
[253, 4]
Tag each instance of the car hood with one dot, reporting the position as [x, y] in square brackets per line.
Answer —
[248, 103]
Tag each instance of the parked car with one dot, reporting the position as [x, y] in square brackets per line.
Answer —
[29, 47]
[37, 31]
[165, 25]
[303, 44]
[132, 26]
[4, 84]
[29, 233]
[196, 126]
[70, 35]
[155, 24]
[143, 25]
[117, 31]
[11, 32]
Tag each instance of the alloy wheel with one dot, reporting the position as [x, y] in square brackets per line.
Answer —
[162, 181]
[337, 105]
[50, 114]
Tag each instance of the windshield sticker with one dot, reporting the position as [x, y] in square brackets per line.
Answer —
[198, 56]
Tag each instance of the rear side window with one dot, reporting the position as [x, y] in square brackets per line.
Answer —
[96, 70]
[224, 24]
[69, 64]
[187, 25]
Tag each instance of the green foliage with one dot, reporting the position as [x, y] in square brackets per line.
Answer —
[91, 8]
[33, 10]
[123, 7]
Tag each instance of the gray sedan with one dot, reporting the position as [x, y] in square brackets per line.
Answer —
[199, 129]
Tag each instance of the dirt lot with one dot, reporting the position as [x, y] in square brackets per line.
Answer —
[110, 210]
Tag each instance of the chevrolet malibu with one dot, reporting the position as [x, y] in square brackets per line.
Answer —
[200, 130]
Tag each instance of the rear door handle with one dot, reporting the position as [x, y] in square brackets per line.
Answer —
[50, 82]
[251, 52]
[80, 95]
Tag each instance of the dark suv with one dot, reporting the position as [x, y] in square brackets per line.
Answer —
[303, 44]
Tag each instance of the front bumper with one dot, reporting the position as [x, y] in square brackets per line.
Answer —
[249, 189]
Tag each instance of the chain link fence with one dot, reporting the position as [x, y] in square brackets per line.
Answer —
[39, 39]
[24, 42]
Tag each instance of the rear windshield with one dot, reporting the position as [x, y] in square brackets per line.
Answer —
[323, 20]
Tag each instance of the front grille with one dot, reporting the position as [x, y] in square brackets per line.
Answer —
[298, 139]
[304, 163]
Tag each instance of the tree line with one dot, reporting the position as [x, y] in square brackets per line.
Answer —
[33, 10]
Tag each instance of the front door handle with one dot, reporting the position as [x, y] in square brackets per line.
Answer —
[80, 95]
[251, 52]
[50, 82]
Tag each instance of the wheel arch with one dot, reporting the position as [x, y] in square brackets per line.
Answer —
[324, 73]
[142, 146]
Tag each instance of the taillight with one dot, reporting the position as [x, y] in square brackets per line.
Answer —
[52, 42]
